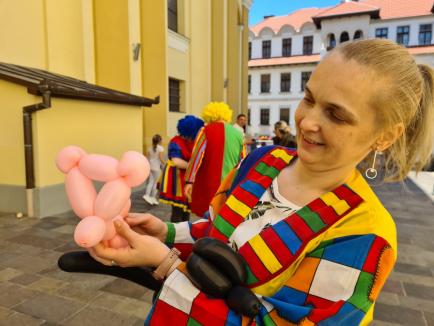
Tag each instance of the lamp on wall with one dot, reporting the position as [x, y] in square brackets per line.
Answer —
[136, 51]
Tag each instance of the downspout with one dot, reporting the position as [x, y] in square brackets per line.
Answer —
[44, 89]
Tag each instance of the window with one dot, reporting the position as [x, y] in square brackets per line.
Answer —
[266, 49]
[357, 35]
[286, 47]
[403, 35]
[265, 83]
[381, 32]
[172, 15]
[307, 45]
[248, 117]
[285, 82]
[332, 42]
[284, 115]
[425, 34]
[250, 50]
[265, 117]
[249, 84]
[174, 95]
[344, 37]
[305, 75]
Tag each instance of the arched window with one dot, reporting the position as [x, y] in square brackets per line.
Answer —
[344, 37]
[358, 35]
[331, 42]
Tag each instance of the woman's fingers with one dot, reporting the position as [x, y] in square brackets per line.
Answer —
[124, 230]
[134, 219]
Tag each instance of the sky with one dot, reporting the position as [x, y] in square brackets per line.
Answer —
[261, 8]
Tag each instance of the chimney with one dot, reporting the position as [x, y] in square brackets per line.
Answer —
[268, 16]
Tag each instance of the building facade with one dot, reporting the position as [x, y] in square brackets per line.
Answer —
[186, 52]
[284, 50]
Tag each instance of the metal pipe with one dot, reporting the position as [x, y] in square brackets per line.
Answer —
[43, 88]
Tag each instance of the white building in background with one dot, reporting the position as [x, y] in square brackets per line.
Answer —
[284, 50]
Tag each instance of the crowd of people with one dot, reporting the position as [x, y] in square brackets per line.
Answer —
[316, 242]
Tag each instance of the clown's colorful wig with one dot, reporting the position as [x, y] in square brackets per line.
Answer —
[189, 126]
[215, 111]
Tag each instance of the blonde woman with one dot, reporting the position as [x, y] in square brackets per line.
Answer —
[318, 243]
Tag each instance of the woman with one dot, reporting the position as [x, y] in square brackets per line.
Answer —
[156, 161]
[172, 181]
[327, 262]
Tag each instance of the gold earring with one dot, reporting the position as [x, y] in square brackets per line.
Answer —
[371, 173]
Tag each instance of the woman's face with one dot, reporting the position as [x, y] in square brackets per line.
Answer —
[335, 122]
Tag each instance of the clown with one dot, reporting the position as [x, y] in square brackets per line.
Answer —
[172, 182]
[218, 148]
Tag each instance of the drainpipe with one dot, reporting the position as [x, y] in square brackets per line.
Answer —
[44, 89]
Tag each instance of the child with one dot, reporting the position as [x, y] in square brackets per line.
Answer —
[156, 161]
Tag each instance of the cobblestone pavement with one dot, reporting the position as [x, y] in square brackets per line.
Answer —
[33, 291]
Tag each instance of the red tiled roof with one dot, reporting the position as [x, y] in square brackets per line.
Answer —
[299, 59]
[388, 9]
[422, 50]
[295, 19]
[347, 8]
[401, 8]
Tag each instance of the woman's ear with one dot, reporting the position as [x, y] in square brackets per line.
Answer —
[388, 137]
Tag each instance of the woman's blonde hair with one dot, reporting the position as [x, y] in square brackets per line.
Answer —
[216, 111]
[406, 98]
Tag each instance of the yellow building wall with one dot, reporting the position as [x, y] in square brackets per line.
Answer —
[23, 32]
[217, 49]
[233, 57]
[200, 55]
[102, 128]
[64, 25]
[112, 48]
[244, 60]
[154, 67]
[12, 99]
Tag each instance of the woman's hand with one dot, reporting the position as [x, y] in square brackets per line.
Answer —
[188, 189]
[148, 224]
[143, 250]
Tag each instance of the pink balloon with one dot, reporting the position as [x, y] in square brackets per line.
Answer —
[118, 242]
[99, 167]
[81, 193]
[110, 230]
[90, 231]
[124, 212]
[134, 167]
[68, 157]
[112, 198]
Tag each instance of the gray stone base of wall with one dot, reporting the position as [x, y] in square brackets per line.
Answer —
[47, 201]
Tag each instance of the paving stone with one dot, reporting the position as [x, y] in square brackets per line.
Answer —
[125, 288]
[19, 319]
[12, 294]
[393, 286]
[133, 307]
[48, 285]
[30, 264]
[419, 291]
[429, 317]
[37, 241]
[25, 279]
[417, 303]
[9, 273]
[49, 307]
[398, 315]
[65, 229]
[413, 269]
[91, 316]
[78, 293]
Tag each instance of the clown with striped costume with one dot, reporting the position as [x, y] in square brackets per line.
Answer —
[218, 148]
[172, 178]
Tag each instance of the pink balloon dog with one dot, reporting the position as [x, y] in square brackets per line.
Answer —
[99, 210]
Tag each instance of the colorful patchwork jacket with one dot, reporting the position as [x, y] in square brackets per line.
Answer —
[323, 265]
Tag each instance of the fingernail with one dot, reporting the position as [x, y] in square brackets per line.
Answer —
[118, 224]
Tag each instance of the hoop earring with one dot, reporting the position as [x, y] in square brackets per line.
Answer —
[371, 173]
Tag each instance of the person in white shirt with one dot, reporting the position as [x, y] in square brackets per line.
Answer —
[156, 161]
[241, 122]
